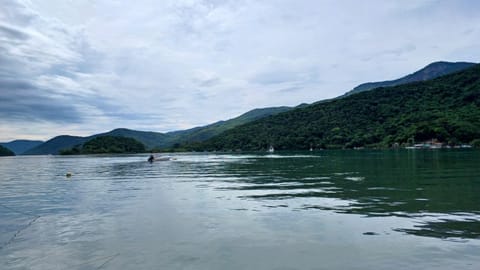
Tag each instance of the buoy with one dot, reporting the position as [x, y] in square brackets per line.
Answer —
[69, 174]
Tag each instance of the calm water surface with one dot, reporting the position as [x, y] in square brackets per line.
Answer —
[311, 210]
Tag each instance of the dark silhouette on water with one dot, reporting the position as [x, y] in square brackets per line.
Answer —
[151, 158]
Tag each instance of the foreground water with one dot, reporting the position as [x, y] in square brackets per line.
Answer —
[313, 210]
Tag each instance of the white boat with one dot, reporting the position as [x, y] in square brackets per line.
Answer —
[271, 149]
[152, 159]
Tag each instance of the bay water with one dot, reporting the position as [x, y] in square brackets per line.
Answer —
[364, 209]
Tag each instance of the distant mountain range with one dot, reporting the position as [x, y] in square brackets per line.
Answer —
[429, 72]
[446, 109]
[155, 140]
[20, 146]
[53, 146]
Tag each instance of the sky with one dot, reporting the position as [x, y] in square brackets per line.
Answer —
[81, 67]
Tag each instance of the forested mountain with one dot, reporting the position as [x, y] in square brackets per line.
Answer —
[446, 108]
[20, 146]
[148, 138]
[54, 145]
[200, 134]
[429, 72]
[155, 139]
[107, 145]
[63, 142]
[6, 152]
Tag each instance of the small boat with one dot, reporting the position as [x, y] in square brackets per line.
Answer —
[152, 158]
[271, 149]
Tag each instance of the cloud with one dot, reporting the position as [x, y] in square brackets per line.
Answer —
[279, 73]
[27, 57]
[11, 34]
[48, 73]
[19, 102]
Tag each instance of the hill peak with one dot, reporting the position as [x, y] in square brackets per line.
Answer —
[430, 71]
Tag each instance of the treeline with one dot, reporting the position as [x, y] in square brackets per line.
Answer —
[446, 109]
[5, 152]
[107, 145]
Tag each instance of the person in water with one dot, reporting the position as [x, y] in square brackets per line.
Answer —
[151, 158]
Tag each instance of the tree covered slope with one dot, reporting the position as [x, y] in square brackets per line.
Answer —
[57, 144]
[155, 139]
[203, 133]
[5, 152]
[107, 145]
[149, 138]
[446, 108]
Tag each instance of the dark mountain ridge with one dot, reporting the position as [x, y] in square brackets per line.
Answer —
[20, 146]
[54, 145]
[431, 71]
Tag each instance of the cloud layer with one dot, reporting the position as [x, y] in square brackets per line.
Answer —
[82, 67]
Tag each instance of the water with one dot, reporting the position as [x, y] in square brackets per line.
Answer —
[310, 210]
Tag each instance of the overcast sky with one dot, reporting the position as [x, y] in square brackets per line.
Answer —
[81, 67]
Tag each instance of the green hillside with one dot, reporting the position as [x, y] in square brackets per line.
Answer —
[148, 138]
[56, 145]
[203, 133]
[5, 152]
[107, 145]
[156, 140]
[446, 108]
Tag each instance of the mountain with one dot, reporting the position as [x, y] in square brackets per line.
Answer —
[199, 134]
[149, 138]
[5, 152]
[429, 72]
[155, 139]
[20, 146]
[107, 145]
[54, 145]
[446, 108]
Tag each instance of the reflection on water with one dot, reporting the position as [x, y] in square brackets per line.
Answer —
[242, 211]
[438, 189]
